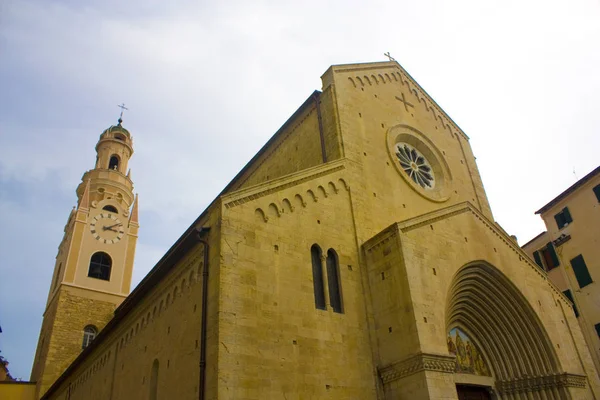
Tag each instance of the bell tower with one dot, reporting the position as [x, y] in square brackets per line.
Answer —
[94, 264]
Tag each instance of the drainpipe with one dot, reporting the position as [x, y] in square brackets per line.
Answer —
[202, 233]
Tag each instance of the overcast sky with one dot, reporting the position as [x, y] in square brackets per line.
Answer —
[208, 84]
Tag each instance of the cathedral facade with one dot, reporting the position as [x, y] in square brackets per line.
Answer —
[354, 257]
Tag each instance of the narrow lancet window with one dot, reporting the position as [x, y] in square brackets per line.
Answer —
[154, 380]
[317, 270]
[333, 281]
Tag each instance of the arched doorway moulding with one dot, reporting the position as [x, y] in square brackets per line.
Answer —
[489, 308]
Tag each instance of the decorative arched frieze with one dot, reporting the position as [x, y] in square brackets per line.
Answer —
[322, 192]
[299, 201]
[273, 211]
[260, 214]
[332, 187]
[287, 206]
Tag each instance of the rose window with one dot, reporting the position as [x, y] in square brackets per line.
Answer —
[415, 165]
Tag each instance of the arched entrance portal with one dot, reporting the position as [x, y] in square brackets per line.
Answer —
[486, 305]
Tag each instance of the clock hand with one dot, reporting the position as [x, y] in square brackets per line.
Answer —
[112, 226]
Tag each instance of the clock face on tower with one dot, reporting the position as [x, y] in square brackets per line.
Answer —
[107, 228]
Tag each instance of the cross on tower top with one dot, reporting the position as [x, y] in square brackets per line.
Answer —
[123, 108]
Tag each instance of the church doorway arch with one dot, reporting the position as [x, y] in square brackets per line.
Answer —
[485, 305]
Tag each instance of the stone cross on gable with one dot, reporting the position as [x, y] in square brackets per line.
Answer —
[403, 101]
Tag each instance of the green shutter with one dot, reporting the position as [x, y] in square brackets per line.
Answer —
[538, 259]
[569, 296]
[567, 215]
[581, 272]
[597, 192]
[558, 219]
[553, 256]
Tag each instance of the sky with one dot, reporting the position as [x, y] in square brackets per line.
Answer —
[207, 83]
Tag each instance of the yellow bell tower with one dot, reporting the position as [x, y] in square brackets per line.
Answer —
[94, 264]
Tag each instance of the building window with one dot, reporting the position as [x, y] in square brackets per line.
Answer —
[89, 334]
[154, 381]
[333, 281]
[546, 257]
[100, 266]
[563, 218]
[113, 163]
[597, 192]
[110, 209]
[597, 326]
[581, 271]
[317, 270]
[569, 296]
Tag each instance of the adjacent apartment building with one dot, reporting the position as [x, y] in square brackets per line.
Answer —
[569, 250]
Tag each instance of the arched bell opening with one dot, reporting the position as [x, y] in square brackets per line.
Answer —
[494, 315]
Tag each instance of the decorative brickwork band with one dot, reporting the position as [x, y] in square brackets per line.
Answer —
[541, 382]
[417, 363]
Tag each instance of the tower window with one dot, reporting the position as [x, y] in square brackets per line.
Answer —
[113, 163]
[119, 137]
[89, 334]
[597, 191]
[111, 209]
[317, 270]
[100, 266]
[333, 281]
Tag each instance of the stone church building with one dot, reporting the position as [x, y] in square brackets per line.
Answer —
[354, 257]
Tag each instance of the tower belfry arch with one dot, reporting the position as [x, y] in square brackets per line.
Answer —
[485, 304]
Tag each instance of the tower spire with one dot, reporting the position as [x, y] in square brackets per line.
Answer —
[134, 211]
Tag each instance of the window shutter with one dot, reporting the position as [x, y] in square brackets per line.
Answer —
[581, 272]
[558, 218]
[569, 296]
[597, 193]
[567, 215]
[538, 259]
[553, 256]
